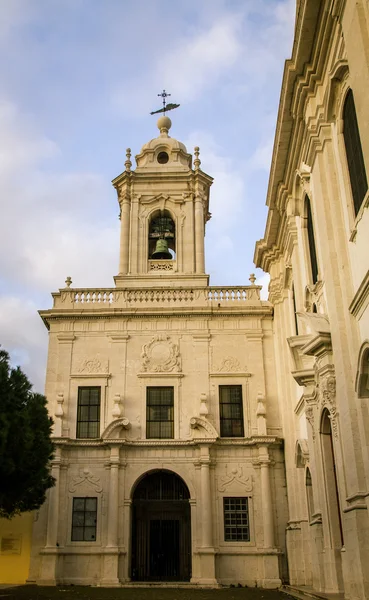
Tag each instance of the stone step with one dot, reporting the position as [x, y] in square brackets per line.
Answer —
[307, 593]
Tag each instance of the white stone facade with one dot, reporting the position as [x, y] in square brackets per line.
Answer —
[163, 326]
[316, 249]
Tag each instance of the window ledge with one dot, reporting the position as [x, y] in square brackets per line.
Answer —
[161, 374]
[359, 216]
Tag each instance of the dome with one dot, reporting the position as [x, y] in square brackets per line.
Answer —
[164, 144]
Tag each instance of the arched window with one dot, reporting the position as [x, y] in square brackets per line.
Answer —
[162, 236]
[362, 377]
[354, 153]
[295, 310]
[311, 241]
[309, 493]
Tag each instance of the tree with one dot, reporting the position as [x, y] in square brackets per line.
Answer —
[25, 445]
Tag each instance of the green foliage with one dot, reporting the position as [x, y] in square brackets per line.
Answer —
[25, 445]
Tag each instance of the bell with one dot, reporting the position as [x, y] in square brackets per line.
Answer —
[161, 250]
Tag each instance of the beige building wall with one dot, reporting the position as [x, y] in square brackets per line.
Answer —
[163, 326]
[321, 324]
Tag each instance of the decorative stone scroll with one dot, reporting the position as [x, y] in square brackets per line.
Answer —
[161, 265]
[93, 365]
[123, 423]
[328, 400]
[85, 476]
[197, 423]
[235, 475]
[161, 355]
[229, 364]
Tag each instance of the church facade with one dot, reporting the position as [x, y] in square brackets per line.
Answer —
[204, 435]
[169, 461]
[316, 249]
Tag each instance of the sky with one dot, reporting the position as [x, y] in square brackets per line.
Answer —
[78, 81]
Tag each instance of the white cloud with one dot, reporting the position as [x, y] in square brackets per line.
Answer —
[263, 280]
[198, 62]
[50, 218]
[24, 336]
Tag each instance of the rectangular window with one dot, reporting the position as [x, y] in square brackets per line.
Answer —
[84, 519]
[231, 411]
[236, 520]
[160, 412]
[88, 412]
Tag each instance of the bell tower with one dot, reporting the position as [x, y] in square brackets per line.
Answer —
[164, 206]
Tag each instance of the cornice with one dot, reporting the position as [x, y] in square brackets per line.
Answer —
[313, 35]
[93, 443]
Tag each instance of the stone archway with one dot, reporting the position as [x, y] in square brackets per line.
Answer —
[161, 528]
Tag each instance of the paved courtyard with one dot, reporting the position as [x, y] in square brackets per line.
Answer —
[32, 592]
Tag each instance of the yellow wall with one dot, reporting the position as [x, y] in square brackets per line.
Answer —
[15, 548]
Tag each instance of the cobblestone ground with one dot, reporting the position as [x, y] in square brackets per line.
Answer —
[32, 592]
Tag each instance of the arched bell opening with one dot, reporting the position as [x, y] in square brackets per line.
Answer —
[161, 528]
[162, 236]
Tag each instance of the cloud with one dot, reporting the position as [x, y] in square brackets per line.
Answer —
[263, 280]
[49, 218]
[24, 336]
[193, 64]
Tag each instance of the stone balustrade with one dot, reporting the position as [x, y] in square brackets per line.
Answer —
[116, 298]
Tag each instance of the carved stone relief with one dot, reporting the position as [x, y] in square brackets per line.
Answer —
[229, 364]
[93, 364]
[234, 474]
[328, 400]
[85, 476]
[161, 355]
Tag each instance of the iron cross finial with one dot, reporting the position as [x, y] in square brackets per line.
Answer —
[164, 95]
[166, 106]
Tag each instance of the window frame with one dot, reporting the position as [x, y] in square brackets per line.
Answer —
[243, 527]
[223, 420]
[84, 526]
[149, 407]
[79, 421]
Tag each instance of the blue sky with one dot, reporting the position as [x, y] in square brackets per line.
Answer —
[78, 81]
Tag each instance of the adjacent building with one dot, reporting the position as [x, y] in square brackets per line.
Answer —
[316, 249]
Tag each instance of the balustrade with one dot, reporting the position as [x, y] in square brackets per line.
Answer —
[105, 298]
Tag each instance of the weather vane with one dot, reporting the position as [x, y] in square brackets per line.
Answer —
[166, 106]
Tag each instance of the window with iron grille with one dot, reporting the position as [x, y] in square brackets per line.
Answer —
[84, 518]
[160, 412]
[88, 412]
[231, 411]
[236, 520]
[354, 152]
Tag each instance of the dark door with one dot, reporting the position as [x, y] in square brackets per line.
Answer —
[161, 529]
[164, 548]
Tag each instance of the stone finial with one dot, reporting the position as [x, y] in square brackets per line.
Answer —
[252, 278]
[128, 163]
[203, 405]
[59, 409]
[68, 281]
[197, 161]
[261, 415]
[116, 412]
[164, 124]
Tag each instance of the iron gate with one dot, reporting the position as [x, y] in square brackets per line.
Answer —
[161, 529]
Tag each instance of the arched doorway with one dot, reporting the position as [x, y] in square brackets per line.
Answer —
[161, 529]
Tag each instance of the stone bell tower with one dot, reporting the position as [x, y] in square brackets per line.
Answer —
[164, 206]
